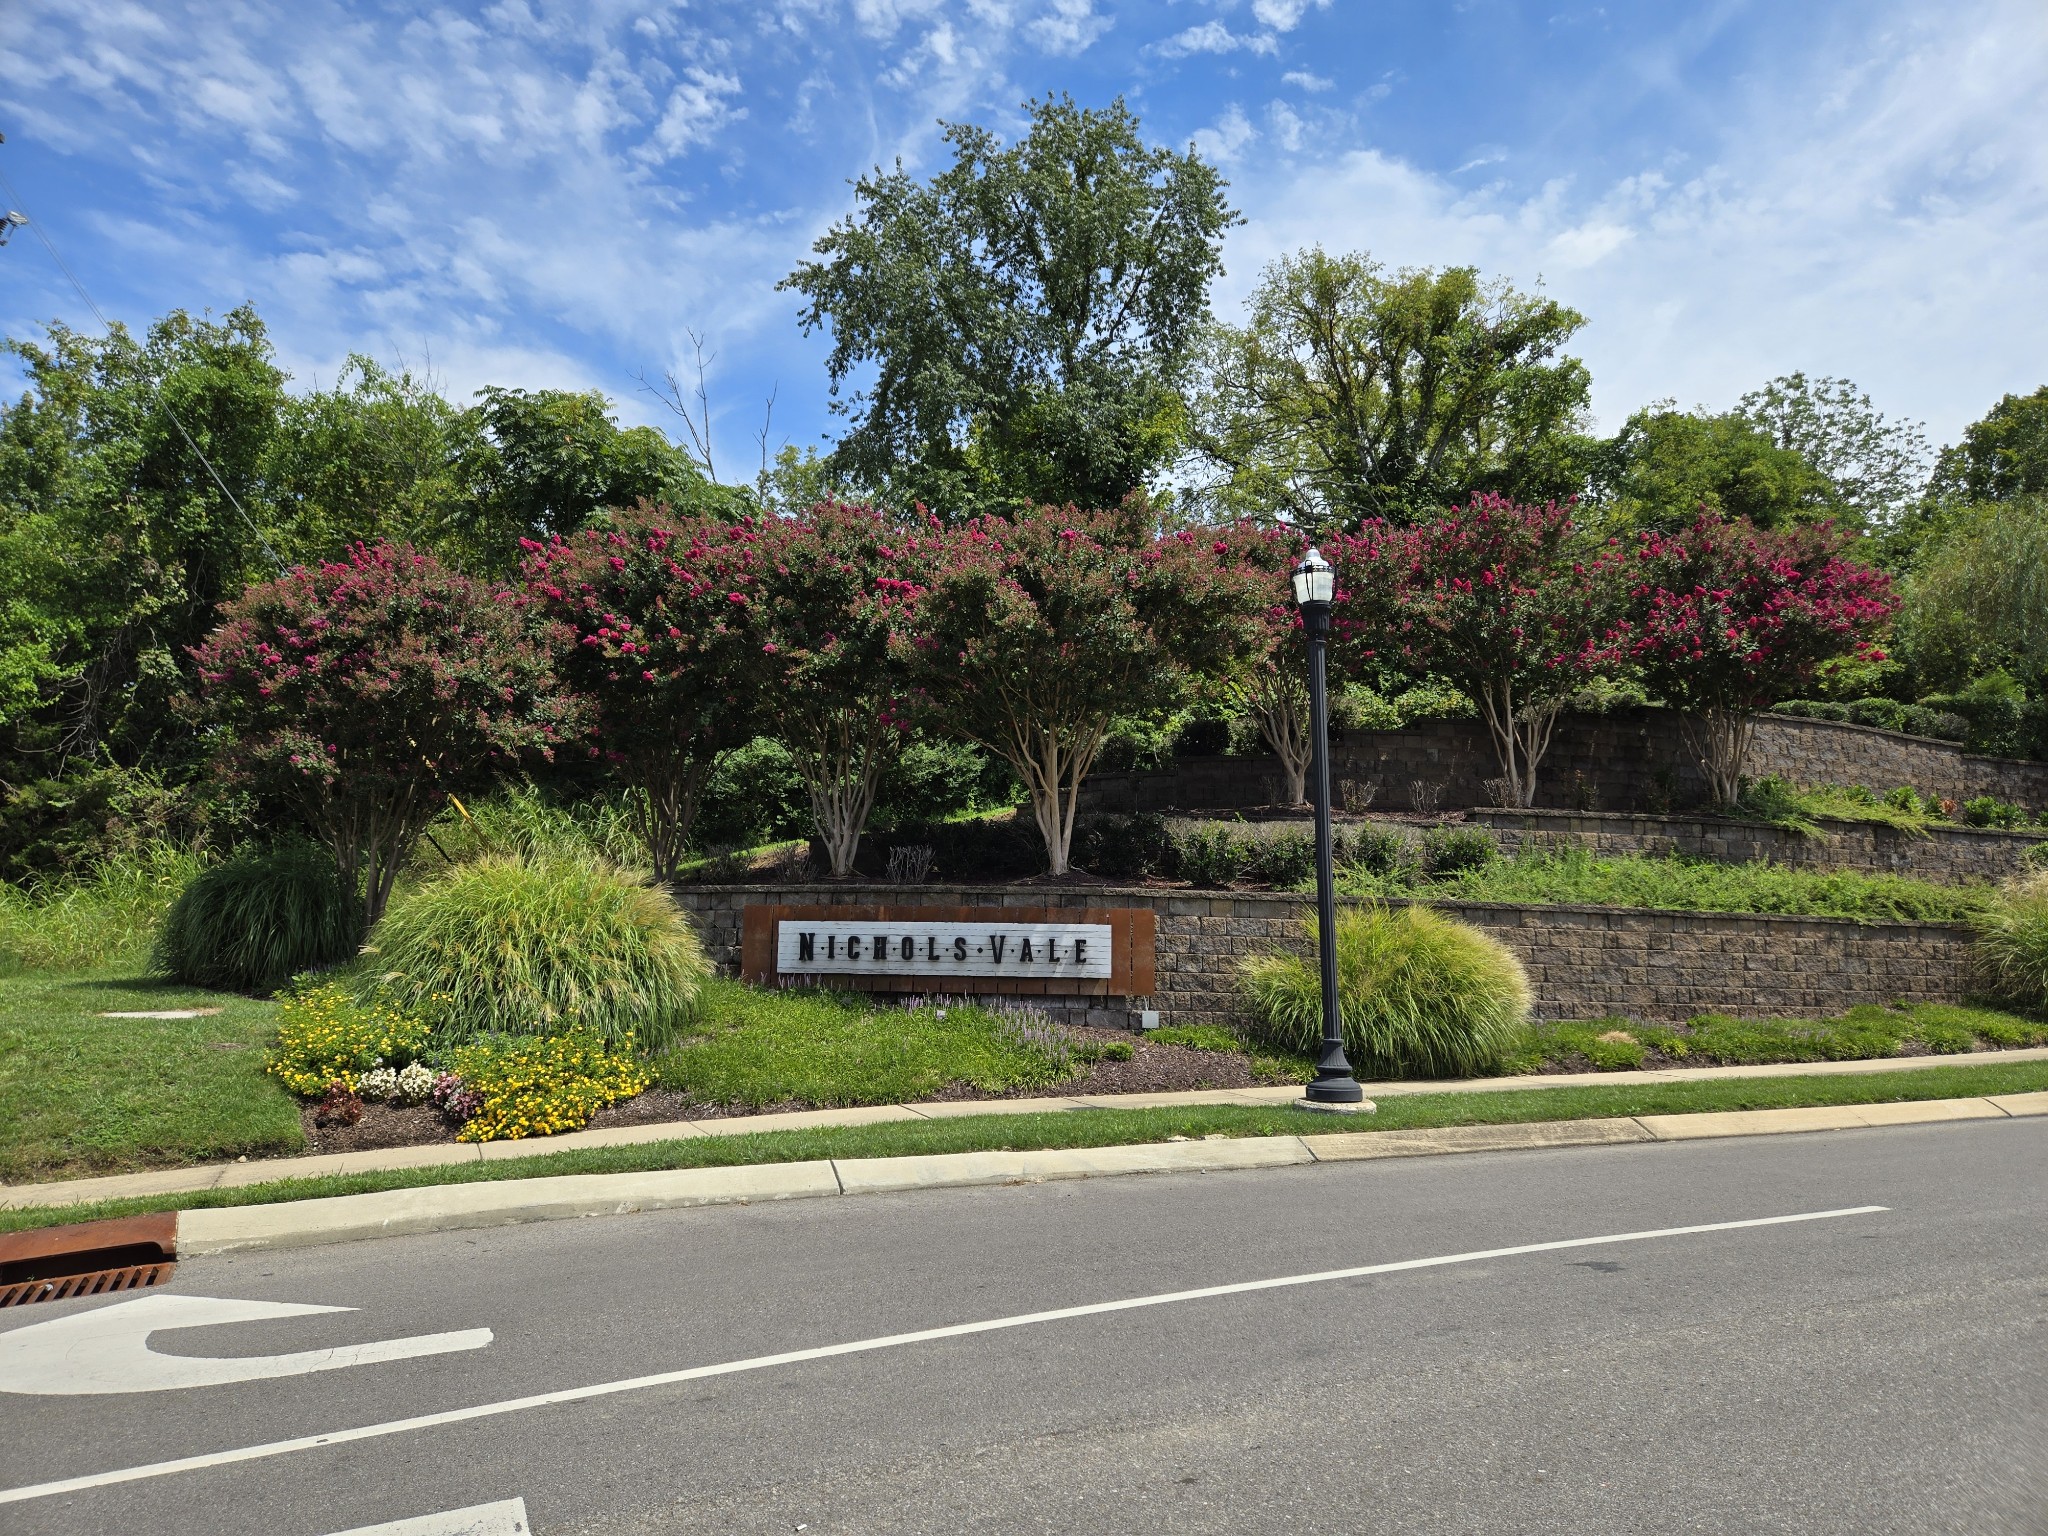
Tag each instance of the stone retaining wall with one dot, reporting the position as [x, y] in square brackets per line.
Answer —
[1584, 962]
[1947, 855]
[1631, 760]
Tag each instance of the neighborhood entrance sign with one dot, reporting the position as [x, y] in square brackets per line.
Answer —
[1099, 952]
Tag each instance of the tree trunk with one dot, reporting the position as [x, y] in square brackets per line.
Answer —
[1052, 769]
[842, 755]
[1719, 738]
[1278, 701]
[662, 791]
[1521, 735]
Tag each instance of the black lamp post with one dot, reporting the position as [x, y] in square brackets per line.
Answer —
[1315, 587]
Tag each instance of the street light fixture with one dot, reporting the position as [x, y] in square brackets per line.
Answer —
[1315, 588]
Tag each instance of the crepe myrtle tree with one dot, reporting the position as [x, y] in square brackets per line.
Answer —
[1035, 630]
[654, 619]
[1728, 618]
[1271, 683]
[365, 691]
[838, 610]
[1512, 604]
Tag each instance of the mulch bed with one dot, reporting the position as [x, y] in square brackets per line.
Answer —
[1155, 1067]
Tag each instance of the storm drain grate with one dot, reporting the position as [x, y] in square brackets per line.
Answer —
[132, 1277]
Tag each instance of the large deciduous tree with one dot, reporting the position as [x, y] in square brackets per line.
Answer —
[1877, 466]
[365, 691]
[838, 602]
[2001, 457]
[1665, 466]
[1037, 629]
[1514, 605]
[1351, 393]
[655, 618]
[1727, 619]
[1027, 313]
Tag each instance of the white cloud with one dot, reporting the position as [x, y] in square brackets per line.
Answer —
[1285, 15]
[1226, 139]
[697, 108]
[1067, 26]
[1307, 81]
[1212, 36]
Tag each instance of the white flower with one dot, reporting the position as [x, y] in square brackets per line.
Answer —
[377, 1083]
[415, 1083]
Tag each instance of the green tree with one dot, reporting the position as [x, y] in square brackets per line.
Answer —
[1351, 393]
[1028, 314]
[541, 462]
[1979, 600]
[1878, 466]
[117, 542]
[379, 456]
[2002, 457]
[1665, 465]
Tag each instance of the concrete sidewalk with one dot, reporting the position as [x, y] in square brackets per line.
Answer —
[441, 1154]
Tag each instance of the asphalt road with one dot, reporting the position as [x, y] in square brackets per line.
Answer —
[1871, 1373]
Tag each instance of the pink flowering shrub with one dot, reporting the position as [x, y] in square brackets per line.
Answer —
[1512, 604]
[1036, 629]
[366, 691]
[655, 622]
[1728, 619]
[839, 615]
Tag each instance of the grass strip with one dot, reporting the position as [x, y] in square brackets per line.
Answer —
[1111, 1127]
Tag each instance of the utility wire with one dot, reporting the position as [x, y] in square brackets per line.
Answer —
[155, 388]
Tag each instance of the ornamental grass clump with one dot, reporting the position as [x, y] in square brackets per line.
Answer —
[253, 923]
[540, 946]
[2012, 943]
[1419, 994]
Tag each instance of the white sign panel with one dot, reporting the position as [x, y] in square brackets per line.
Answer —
[883, 947]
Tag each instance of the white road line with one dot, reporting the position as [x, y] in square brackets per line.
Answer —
[505, 1518]
[863, 1346]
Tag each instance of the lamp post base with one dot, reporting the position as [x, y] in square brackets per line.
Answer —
[1355, 1107]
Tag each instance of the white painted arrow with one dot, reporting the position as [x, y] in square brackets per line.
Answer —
[104, 1351]
[503, 1519]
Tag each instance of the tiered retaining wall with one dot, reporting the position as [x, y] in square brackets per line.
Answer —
[1632, 760]
[1947, 855]
[1584, 962]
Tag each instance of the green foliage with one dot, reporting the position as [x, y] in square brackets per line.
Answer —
[59, 828]
[541, 1086]
[1198, 1037]
[1979, 600]
[532, 823]
[2002, 457]
[1715, 1040]
[935, 778]
[1419, 995]
[759, 1049]
[540, 945]
[1990, 811]
[1451, 851]
[257, 920]
[1377, 853]
[1212, 855]
[1876, 467]
[103, 917]
[1351, 393]
[1125, 847]
[1665, 465]
[1283, 859]
[1027, 313]
[1573, 876]
[1777, 800]
[753, 795]
[326, 1036]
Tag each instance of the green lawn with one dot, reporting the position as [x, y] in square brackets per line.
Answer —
[1715, 1040]
[80, 1094]
[1115, 1127]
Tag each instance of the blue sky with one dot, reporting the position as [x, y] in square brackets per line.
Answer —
[552, 193]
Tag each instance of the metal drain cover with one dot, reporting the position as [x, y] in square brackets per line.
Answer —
[93, 1283]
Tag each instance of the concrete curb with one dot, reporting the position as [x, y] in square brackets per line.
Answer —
[449, 1207]
[168, 1181]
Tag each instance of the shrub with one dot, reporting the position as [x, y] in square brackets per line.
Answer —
[1125, 847]
[1937, 724]
[1198, 1037]
[1812, 709]
[537, 1087]
[253, 923]
[515, 946]
[1284, 860]
[1990, 811]
[1453, 850]
[985, 848]
[325, 1036]
[1886, 714]
[1213, 856]
[2012, 943]
[1376, 851]
[1205, 736]
[103, 919]
[1419, 995]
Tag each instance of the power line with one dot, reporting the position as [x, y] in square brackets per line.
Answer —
[155, 388]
